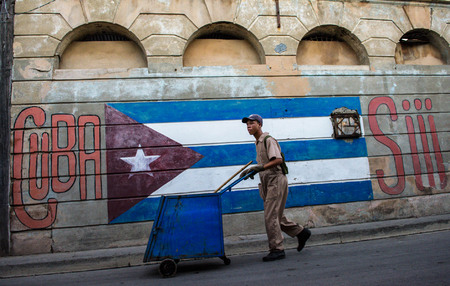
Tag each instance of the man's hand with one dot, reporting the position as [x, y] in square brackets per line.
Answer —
[258, 168]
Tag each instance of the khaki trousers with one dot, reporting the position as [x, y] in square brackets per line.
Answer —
[273, 189]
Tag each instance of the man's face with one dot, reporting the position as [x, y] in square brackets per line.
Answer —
[253, 127]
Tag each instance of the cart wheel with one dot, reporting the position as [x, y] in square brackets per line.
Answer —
[167, 268]
[226, 260]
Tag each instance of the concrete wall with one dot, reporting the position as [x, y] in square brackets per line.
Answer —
[93, 149]
[419, 54]
[325, 53]
[220, 52]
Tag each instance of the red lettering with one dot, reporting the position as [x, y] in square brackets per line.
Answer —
[36, 192]
[437, 152]
[426, 151]
[392, 145]
[414, 152]
[59, 153]
[93, 155]
[63, 141]
[38, 116]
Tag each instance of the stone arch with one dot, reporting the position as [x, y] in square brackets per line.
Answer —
[344, 47]
[101, 45]
[422, 47]
[223, 43]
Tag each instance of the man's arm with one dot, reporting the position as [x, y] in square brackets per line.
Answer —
[273, 163]
[274, 153]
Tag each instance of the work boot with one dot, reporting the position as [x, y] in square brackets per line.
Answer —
[274, 255]
[302, 237]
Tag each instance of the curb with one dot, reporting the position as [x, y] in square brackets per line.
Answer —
[344, 233]
[16, 266]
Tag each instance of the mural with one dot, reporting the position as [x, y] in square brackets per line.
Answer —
[423, 178]
[156, 148]
[323, 170]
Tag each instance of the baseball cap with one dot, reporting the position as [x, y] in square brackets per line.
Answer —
[253, 117]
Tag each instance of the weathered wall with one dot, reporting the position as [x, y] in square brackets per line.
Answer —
[97, 54]
[93, 149]
[219, 52]
[418, 54]
[325, 53]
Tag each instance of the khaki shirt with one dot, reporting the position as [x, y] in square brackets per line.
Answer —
[264, 155]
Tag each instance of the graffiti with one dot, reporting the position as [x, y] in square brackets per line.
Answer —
[391, 144]
[428, 161]
[399, 187]
[50, 151]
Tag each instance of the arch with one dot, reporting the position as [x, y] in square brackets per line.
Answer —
[101, 45]
[331, 45]
[422, 47]
[223, 43]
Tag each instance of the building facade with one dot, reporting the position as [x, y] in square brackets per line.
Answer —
[115, 103]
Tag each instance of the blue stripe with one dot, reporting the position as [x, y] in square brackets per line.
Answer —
[247, 201]
[304, 195]
[240, 154]
[208, 110]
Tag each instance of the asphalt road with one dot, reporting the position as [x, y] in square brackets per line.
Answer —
[422, 259]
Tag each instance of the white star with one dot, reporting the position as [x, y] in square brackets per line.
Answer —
[140, 162]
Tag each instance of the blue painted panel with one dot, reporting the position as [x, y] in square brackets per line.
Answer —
[230, 155]
[249, 200]
[208, 110]
[188, 226]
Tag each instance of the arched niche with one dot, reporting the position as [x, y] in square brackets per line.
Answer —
[223, 44]
[422, 47]
[331, 45]
[101, 45]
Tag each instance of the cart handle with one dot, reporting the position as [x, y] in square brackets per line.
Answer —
[228, 188]
[235, 174]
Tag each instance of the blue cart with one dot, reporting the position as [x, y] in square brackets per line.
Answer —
[187, 226]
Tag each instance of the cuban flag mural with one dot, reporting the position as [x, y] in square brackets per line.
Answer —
[179, 147]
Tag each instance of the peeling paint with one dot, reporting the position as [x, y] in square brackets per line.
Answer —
[290, 86]
[280, 48]
[35, 69]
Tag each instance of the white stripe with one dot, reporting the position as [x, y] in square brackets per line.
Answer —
[300, 172]
[234, 131]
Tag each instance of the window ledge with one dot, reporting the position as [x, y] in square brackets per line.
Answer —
[333, 67]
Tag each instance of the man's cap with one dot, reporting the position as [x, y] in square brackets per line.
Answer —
[253, 117]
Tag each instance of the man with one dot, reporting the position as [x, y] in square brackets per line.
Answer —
[273, 190]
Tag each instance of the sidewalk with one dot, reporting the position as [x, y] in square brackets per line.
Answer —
[132, 256]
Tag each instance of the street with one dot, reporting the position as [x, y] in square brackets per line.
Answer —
[422, 259]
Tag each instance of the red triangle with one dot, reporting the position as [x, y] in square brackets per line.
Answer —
[124, 138]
